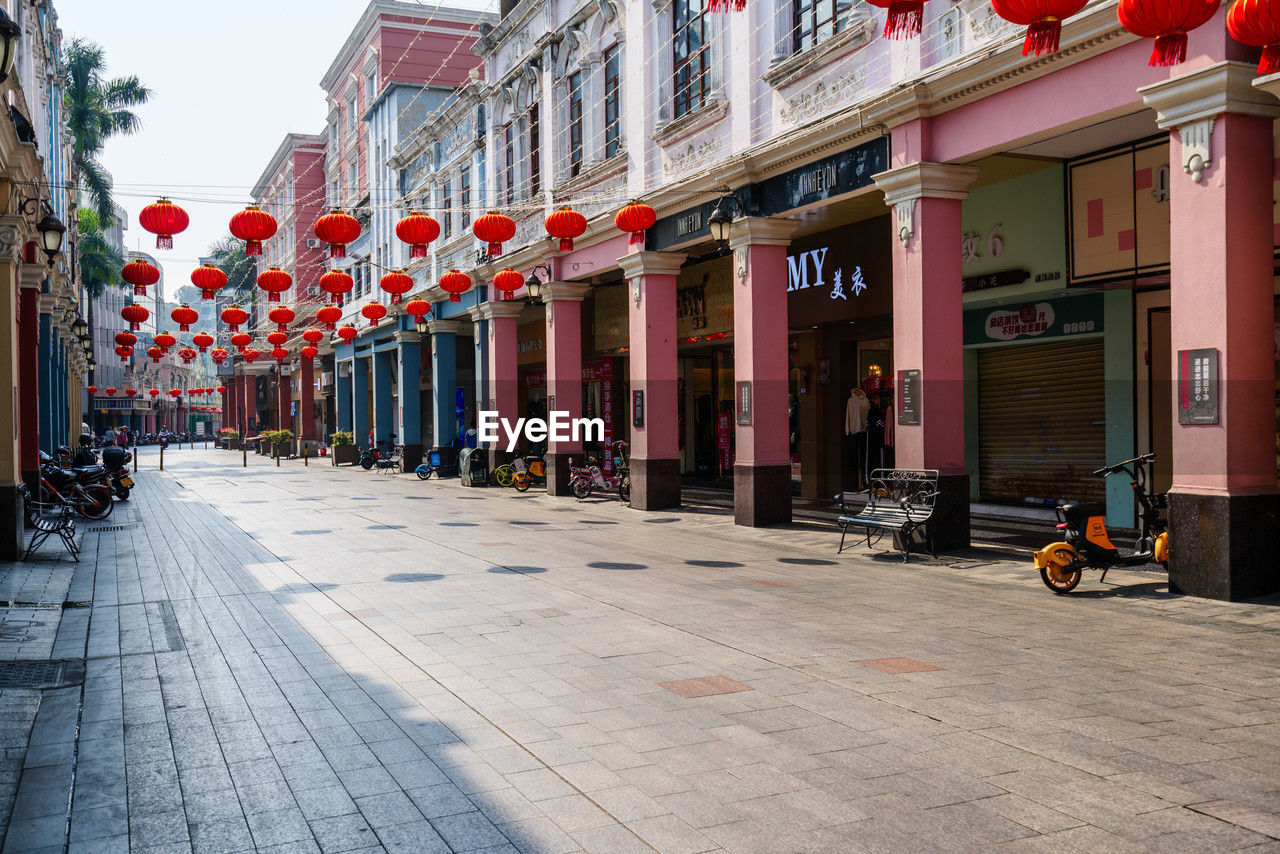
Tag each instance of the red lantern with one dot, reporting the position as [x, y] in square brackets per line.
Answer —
[417, 229]
[126, 339]
[93, 389]
[337, 229]
[507, 281]
[250, 355]
[417, 309]
[155, 392]
[203, 340]
[566, 224]
[275, 339]
[329, 315]
[164, 340]
[279, 354]
[124, 353]
[635, 218]
[219, 355]
[309, 352]
[140, 274]
[455, 284]
[373, 312]
[1257, 24]
[347, 333]
[135, 314]
[184, 315]
[1042, 18]
[275, 282]
[131, 392]
[175, 393]
[111, 391]
[336, 283]
[242, 339]
[164, 219]
[281, 316]
[209, 279]
[187, 354]
[233, 316]
[313, 336]
[222, 389]
[1166, 21]
[155, 353]
[397, 284]
[495, 229]
[253, 225]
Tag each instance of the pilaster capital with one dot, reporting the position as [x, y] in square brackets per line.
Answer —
[925, 181]
[46, 303]
[494, 309]
[564, 291]
[408, 336]
[31, 275]
[761, 231]
[651, 263]
[1224, 87]
[436, 327]
[13, 233]
[433, 294]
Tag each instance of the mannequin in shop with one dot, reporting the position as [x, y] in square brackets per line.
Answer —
[855, 426]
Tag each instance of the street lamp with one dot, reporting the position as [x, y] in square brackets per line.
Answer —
[10, 33]
[51, 233]
[79, 328]
[721, 218]
[533, 285]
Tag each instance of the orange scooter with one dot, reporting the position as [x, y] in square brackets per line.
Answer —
[1086, 544]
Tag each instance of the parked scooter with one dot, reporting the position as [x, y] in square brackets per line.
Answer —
[115, 474]
[78, 489]
[583, 480]
[1087, 545]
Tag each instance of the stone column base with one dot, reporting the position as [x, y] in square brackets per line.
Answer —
[558, 470]
[12, 533]
[761, 495]
[655, 484]
[411, 457]
[1223, 546]
[949, 526]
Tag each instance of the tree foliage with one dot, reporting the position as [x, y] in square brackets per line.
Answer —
[100, 262]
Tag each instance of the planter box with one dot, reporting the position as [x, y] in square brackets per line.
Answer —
[345, 455]
[233, 444]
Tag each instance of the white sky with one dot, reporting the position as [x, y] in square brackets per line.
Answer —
[230, 79]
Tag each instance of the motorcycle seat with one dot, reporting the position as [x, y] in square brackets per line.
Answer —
[88, 470]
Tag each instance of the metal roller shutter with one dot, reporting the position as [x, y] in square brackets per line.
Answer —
[1041, 422]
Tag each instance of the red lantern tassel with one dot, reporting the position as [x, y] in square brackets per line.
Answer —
[281, 327]
[636, 237]
[419, 251]
[455, 298]
[337, 250]
[330, 326]
[139, 290]
[566, 244]
[253, 247]
[904, 19]
[164, 241]
[1042, 37]
[395, 299]
[1270, 62]
[495, 249]
[272, 296]
[1169, 49]
[206, 295]
[739, 5]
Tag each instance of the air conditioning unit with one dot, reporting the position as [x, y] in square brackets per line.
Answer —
[315, 243]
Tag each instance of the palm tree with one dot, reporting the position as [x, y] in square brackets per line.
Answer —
[99, 109]
[100, 262]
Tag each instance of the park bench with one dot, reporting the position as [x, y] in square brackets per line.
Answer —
[47, 519]
[898, 501]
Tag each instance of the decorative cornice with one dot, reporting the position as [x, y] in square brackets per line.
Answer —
[564, 291]
[651, 263]
[926, 181]
[615, 165]
[1225, 87]
[436, 327]
[857, 33]
[703, 117]
[761, 231]
[497, 309]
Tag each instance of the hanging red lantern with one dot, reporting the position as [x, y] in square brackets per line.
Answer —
[329, 315]
[905, 17]
[218, 355]
[222, 389]
[635, 218]
[92, 389]
[175, 393]
[126, 339]
[131, 392]
[275, 339]
[455, 283]
[164, 219]
[507, 282]
[140, 274]
[250, 355]
[373, 312]
[566, 224]
[124, 353]
[336, 283]
[155, 392]
[111, 391]
[253, 225]
[281, 316]
[1166, 21]
[209, 279]
[275, 282]
[164, 340]
[184, 315]
[279, 354]
[417, 229]
[313, 336]
[233, 316]
[308, 352]
[155, 353]
[1042, 18]
[203, 340]
[337, 229]
[1257, 23]
[187, 354]
[241, 340]
[397, 284]
[348, 333]
[495, 229]
[417, 309]
[135, 314]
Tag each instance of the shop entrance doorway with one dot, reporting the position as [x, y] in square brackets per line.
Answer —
[706, 398]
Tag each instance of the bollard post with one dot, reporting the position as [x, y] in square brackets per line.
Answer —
[135, 457]
[275, 452]
[305, 464]
[162, 458]
[244, 454]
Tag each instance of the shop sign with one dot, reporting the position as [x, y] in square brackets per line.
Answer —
[1050, 318]
[691, 306]
[1031, 319]
[800, 265]
[970, 251]
[909, 397]
[637, 408]
[841, 274]
[744, 402]
[530, 345]
[1198, 386]
[724, 436]
[689, 223]
[994, 280]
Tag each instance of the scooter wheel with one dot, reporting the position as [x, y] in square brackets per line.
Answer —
[581, 489]
[624, 489]
[122, 493]
[366, 463]
[1059, 578]
[521, 481]
[423, 474]
[96, 502]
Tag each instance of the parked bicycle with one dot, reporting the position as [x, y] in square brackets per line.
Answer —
[583, 480]
[522, 473]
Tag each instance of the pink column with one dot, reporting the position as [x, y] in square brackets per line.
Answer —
[1224, 509]
[928, 333]
[762, 461]
[655, 443]
[564, 373]
[307, 401]
[502, 317]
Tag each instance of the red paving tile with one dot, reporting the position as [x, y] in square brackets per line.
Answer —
[704, 686]
[897, 665]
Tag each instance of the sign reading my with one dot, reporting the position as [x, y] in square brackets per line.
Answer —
[806, 270]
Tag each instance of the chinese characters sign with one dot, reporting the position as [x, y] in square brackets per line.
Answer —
[1051, 318]
[1198, 386]
[909, 397]
[809, 270]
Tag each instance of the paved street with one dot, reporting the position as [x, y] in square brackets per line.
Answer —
[303, 659]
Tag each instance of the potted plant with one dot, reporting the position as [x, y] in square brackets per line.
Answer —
[281, 442]
[344, 447]
[230, 438]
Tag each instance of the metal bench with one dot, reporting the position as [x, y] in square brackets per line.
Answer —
[898, 501]
[47, 519]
